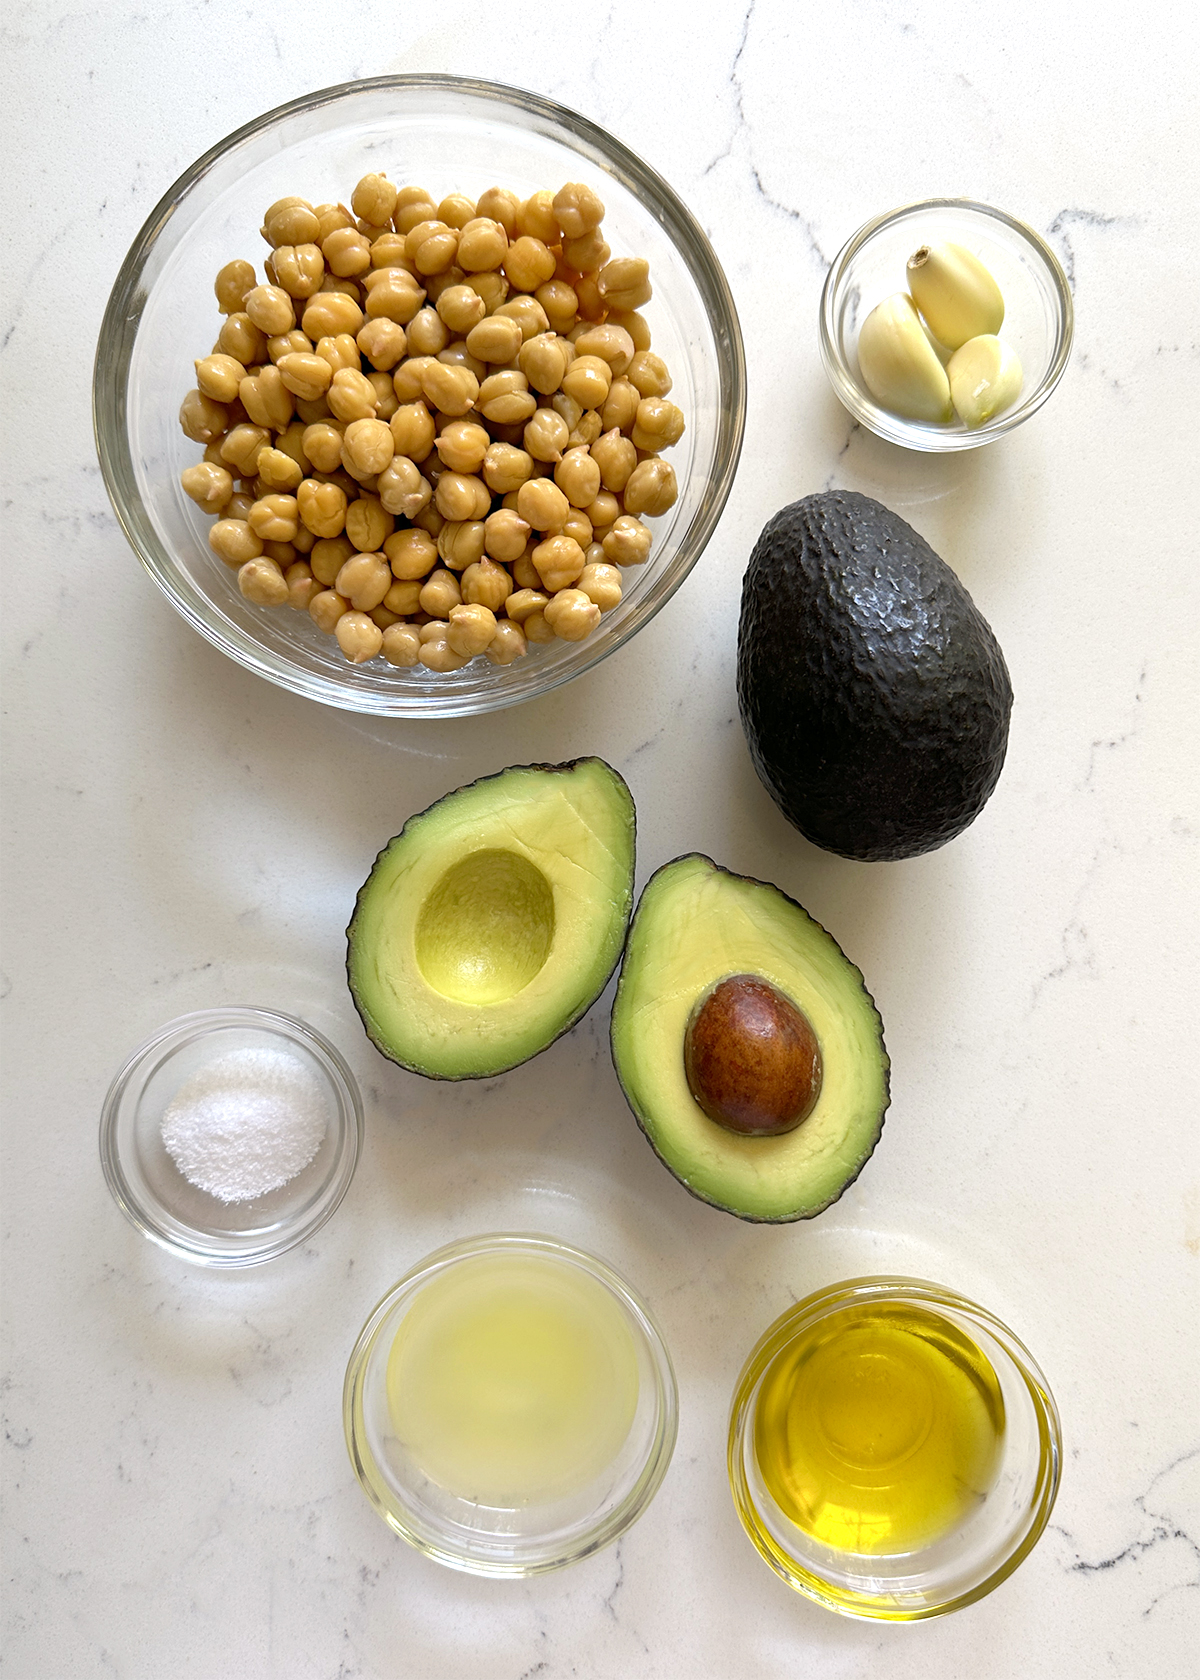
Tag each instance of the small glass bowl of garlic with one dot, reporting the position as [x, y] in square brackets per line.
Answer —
[945, 324]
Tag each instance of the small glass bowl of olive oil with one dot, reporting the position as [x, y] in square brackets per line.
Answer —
[510, 1405]
[894, 1451]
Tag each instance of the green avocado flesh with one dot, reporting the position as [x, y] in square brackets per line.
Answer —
[696, 923]
[493, 919]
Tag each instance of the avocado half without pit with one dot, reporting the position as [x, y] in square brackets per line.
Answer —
[493, 920]
[747, 1045]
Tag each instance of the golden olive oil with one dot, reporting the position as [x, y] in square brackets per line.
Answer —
[513, 1380]
[879, 1428]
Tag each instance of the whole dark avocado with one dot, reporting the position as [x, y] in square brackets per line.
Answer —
[874, 696]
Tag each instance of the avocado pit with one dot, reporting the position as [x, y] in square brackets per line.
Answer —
[752, 1060]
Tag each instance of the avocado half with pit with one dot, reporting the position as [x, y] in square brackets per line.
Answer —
[698, 927]
[492, 921]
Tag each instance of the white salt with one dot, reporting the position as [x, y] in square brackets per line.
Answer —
[246, 1123]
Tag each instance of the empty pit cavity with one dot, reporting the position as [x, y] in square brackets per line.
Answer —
[486, 929]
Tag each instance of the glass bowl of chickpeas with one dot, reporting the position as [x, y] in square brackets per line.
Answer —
[419, 395]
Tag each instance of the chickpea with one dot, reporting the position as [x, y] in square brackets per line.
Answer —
[323, 445]
[431, 246]
[625, 283]
[330, 313]
[238, 506]
[407, 379]
[578, 477]
[299, 269]
[401, 645]
[322, 507]
[436, 284]
[411, 554]
[658, 424]
[542, 504]
[304, 541]
[649, 374]
[266, 399]
[270, 308]
[427, 333]
[579, 526]
[283, 553]
[403, 598]
[472, 627]
[367, 447]
[241, 448]
[559, 301]
[453, 390]
[616, 457]
[601, 583]
[505, 397]
[620, 408]
[386, 401]
[330, 216]
[543, 360]
[413, 430]
[440, 593]
[461, 496]
[277, 471]
[209, 485]
[592, 307]
[305, 376]
[388, 251]
[402, 488]
[436, 653]
[413, 205]
[290, 221]
[231, 285]
[537, 217]
[524, 573]
[367, 525]
[634, 324]
[505, 535]
[429, 519]
[364, 580]
[526, 601]
[242, 340]
[486, 584]
[234, 541]
[528, 313]
[460, 543]
[587, 254]
[328, 556]
[571, 410]
[492, 288]
[495, 340]
[374, 198]
[506, 468]
[546, 435]
[351, 395]
[588, 380]
[383, 618]
[383, 342]
[577, 209]
[393, 294]
[500, 205]
[584, 435]
[301, 585]
[528, 264]
[218, 377]
[572, 615]
[461, 308]
[326, 608]
[611, 343]
[462, 445]
[202, 419]
[536, 629]
[344, 286]
[651, 488]
[347, 253]
[274, 518]
[627, 542]
[507, 644]
[358, 638]
[261, 581]
[559, 561]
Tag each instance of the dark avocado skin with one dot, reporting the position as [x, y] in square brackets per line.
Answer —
[874, 696]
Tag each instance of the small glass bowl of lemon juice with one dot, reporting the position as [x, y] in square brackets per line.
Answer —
[510, 1405]
[894, 1451]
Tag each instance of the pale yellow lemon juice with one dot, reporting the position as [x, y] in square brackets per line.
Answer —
[513, 1380]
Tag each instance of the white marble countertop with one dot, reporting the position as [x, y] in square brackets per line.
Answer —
[181, 834]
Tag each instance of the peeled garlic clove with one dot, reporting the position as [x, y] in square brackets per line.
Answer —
[955, 293]
[985, 378]
[898, 363]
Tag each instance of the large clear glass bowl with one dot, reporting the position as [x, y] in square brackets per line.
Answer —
[447, 134]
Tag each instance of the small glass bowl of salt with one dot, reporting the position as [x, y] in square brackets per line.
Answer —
[231, 1135]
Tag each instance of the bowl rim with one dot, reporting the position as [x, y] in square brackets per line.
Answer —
[913, 434]
[823, 1303]
[187, 1028]
[122, 318]
[394, 1509]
